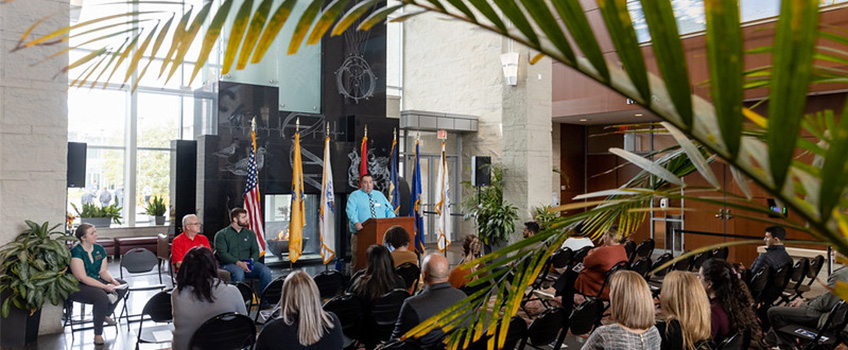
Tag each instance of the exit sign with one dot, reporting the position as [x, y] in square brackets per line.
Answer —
[443, 134]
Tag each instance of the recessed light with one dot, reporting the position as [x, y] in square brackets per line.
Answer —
[638, 114]
[584, 119]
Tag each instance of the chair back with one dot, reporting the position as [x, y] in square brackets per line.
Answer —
[410, 273]
[799, 272]
[562, 257]
[163, 249]
[585, 316]
[545, 328]
[353, 278]
[777, 283]
[758, 282]
[737, 341]
[227, 331]
[699, 260]
[158, 307]
[273, 291]
[138, 260]
[721, 253]
[645, 248]
[581, 254]
[349, 309]
[630, 249]
[660, 261]
[680, 265]
[837, 319]
[815, 267]
[621, 265]
[330, 283]
[384, 314]
[247, 293]
[642, 266]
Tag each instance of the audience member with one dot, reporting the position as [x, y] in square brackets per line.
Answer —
[598, 262]
[199, 296]
[398, 239]
[471, 249]
[437, 296]
[379, 277]
[577, 240]
[686, 309]
[812, 313]
[96, 285]
[302, 323]
[632, 310]
[237, 249]
[731, 305]
[531, 228]
[775, 255]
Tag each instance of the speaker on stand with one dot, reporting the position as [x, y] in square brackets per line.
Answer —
[481, 173]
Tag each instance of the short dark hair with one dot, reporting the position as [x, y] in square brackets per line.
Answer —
[81, 230]
[397, 236]
[532, 226]
[777, 232]
[364, 176]
[236, 212]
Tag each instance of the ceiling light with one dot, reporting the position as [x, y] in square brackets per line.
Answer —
[638, 114]
[583, 119]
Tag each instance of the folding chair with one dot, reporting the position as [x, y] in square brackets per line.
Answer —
[381, 320]
[410, 273]
[138, 261]
[799, 272]
[271, 295]
[546, 329]
[330, 283]
[828, 336]
[228, 331]
[349, 309]
[158, 308]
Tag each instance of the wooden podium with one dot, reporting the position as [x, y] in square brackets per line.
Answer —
[372, 233]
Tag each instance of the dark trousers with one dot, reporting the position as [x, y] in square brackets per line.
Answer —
[564, 286]
[97, 297]
[781, 316]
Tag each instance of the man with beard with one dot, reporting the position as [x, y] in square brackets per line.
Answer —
[237, 249]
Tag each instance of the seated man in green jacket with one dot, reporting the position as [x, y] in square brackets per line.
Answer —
[235, 244]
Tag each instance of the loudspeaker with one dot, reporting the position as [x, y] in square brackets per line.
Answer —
[183, 181]
[76, 164]
[481, 173]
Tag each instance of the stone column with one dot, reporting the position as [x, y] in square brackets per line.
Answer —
[33, 127]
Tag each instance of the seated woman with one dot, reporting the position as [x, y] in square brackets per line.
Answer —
[200, 296]
[302, 324]
[471, 248]
[731, 304]
[632, 309]
[686, 309]
[379, 277]
[97, 286]
[598, 262]
[398, 239]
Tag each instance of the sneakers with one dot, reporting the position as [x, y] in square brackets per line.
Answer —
[113, 297]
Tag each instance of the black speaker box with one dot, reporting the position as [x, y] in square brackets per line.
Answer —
[481, 174]
[76, 164]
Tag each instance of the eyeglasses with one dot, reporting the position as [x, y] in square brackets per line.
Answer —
[196, 223]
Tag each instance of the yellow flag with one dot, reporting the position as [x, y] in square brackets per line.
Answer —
[298, 218]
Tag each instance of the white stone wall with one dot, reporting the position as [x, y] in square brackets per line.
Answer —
[33, 126]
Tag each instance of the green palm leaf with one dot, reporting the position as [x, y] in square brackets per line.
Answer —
[724, 50]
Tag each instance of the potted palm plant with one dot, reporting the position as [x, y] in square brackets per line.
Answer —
[34, 270]
[156, 209]
[494, 216]
[99, 216]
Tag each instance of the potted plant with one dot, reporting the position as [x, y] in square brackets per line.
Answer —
[545, 215]
[34, 270]
[156, 209]
[98, 216]
[495, 217]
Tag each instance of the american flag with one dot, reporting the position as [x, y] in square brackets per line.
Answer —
[251, 199]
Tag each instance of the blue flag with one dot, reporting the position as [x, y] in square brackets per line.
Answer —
[394, 193]
[414, 208]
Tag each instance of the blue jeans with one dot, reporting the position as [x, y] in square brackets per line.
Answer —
[260, 271]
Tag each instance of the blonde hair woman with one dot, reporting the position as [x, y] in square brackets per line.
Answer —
[302, 324]
[632, 308]
[686, 308]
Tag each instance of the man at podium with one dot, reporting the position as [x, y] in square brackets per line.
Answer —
[363, 204]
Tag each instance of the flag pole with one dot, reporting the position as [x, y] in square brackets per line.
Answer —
[296, 130]
[326, 266]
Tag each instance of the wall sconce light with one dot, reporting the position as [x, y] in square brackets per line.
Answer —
[76, 8]
[509, 61]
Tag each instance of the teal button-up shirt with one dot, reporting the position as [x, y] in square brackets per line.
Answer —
[358, 207]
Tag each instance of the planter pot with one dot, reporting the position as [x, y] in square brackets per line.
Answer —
[97, 222]
[158, 220]
[20, 328]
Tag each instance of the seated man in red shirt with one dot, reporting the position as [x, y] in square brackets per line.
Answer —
[190, 238]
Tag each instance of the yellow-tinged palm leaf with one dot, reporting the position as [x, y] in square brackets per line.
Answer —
[213, 32]
[278, 20]
[303, 26]
[61, 32]
[351, 16]
[406, 16]
[377, 17]
[668, 50]
[540, 12]
[575, 20]
[840, 290]
[253, 31]
[236, 35]
[90, 56]
[724, 55]
[70, 48]
[179, 33]
[536, 58]
[188, 38]
[793, 58]
[325, 21]
[112, 57]
[834, 173]
[139, 53]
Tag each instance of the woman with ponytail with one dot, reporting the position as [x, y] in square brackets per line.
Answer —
[730, 301]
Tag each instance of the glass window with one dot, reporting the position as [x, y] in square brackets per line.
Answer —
[158, 119]
[96, 116]
[152, 179]
[104, 172]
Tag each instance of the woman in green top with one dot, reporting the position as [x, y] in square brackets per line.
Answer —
[97, 286]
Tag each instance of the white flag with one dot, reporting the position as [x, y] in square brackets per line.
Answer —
[328, 204]
[444, 203]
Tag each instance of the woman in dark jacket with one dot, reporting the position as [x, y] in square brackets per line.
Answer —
[379, 277]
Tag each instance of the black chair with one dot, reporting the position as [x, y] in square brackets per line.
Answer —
[381, 320]
[699, 260]
[546, 329]
[721, 253]
[247, 295]
[645, 248]
[562, 258]
[330, 283]
[586, 316]
[681, 265]
[353, 279]
[270, 295]
[227, 331]
[581, 254]
[159, 310]
[656, 279]
[516, 331]
[758, 282]
[621, 265]
[777, 283]
[816, 265]
[828, 335]
[163, 252]
[737, 341]
[799, 272]
[642, 266]
[630, 250]
[349, 309]
[138, 261]
[410, 274]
